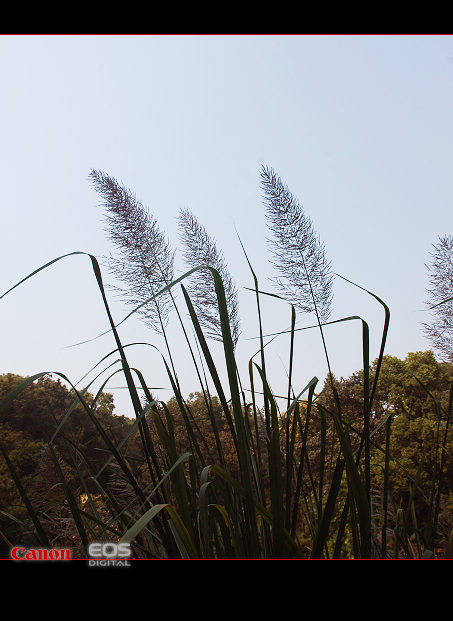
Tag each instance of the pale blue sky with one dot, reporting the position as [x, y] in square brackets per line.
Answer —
[358, 127]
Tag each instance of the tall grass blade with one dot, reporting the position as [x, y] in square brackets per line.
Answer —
[211, 367]
[275, 473]
[42, 537]
[72, 502]
[260, 327]
[289, 460]
[321, 540]
[385, 499]
[179, 484]
[303, 453]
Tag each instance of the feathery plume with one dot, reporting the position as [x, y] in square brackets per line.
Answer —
[145, 263]
[201, 250]
[305, 275]
[440, 273]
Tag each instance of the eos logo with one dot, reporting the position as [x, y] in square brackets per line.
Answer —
[109, 554]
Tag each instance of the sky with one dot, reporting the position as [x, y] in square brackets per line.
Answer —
[359, 128]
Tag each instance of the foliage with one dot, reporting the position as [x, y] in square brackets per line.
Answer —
[413, 395]
[26, 427]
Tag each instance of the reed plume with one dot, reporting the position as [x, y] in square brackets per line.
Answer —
[201, 250]
[304, 273]
[144, 262]
[440, 293]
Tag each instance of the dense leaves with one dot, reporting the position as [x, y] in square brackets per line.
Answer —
[26, 427]
[412, 394]
[413, 397]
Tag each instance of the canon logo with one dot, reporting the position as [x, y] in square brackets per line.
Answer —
[19, 553]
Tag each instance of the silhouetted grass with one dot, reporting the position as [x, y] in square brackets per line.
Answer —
[193, 509]
[275, 502]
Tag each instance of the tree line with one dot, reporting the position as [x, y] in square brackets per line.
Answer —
[412, 392]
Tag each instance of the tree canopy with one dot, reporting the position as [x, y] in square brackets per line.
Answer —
[26, 427]
[412, 397]
[410, 411]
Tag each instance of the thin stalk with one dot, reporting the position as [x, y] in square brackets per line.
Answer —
[386, 487]
[42, 537]
[442, 462]
[289, 465]
[261, 337]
